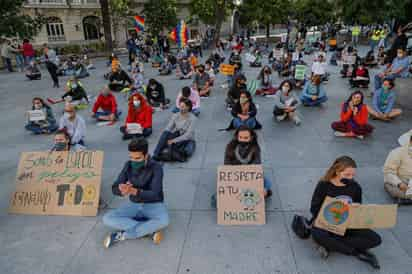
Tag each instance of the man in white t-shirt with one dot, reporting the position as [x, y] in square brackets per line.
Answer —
[319, 67]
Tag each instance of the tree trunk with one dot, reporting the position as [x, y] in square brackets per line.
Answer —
[220, 17]
[267, 31]
[104, 4]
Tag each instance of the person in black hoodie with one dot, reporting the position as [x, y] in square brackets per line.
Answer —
[244, 112]
[155, 94]
[339, 183]
[141, 180]
[234, 92]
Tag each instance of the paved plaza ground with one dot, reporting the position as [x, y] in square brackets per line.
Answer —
[294, 159]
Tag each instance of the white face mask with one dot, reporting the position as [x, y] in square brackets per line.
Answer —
[136, 103]
[400, 55]
[74, 86]
[67, 115]
[285, 89]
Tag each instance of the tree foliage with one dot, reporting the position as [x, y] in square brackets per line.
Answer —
[15, 24]
[205, 10]
[159, 15]
[314, 12]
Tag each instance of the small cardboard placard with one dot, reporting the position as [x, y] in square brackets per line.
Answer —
[278, 53]
[58, 183]
[336, 216]
[240, 195]
[300, 71]
[134, 128]
[250, 58]
[227, 69]
[36, 115]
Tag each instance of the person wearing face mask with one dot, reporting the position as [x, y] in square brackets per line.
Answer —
[138, 80]
[201, 82]
[234, 92]
[319, 67]
[353, 118]
[166, 67]
[383, 103]
[286, 104]
[177, 142]
[398, 69]
[144, 212]
[140, 112]
[265, 82]
[313, 93]
[209, 69]
[193, 96]
[46, 126]
[118, 79]
[61, 141]
[184, 69]
[75, 126]
[398, 172]
[244, 112]
[155, 94]
[339, 183]
[75, 93]
[107, 104]
[360, 77]
[33, 72]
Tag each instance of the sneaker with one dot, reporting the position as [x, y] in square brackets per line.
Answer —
[157, 237]
[113, 238]
[370, 258]
[339, 134]
[360, 137]
[281, 117]
[403, 201]
[297, 120]
[323, 252]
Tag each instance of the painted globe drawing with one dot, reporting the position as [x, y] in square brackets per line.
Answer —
[336, 213]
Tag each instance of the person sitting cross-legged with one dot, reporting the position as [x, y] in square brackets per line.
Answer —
[75, 126]
[286, 104]
[184, 69]
[360, 77]
[398, 172]
[313, 93]
[46, 126]
[75, 93]
[398, 69]
[244, 112]
[144, 213]
[177, 142]
[201, 83]
[139, 118]
[383, 103]
[155, 94]
[107, 104]
[190, 94]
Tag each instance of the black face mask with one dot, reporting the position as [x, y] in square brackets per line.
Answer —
[347, 181]
[244, 144]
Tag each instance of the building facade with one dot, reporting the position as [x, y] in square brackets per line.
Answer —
[79, 22]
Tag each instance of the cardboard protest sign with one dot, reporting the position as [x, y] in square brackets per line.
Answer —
[278, 53]
[227, 69]
[36, 115]
[240, 195]
[250, 58]
[300, 71]
[336, 216]
[134, 128]
[58, 183]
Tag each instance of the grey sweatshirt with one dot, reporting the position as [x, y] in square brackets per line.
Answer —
[281, 99]
[185, 125]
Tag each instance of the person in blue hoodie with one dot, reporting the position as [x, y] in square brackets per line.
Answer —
[383, 102]
[144, 213]
[313, 93]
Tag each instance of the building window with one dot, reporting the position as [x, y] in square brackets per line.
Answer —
[91, 28]
[55, 29]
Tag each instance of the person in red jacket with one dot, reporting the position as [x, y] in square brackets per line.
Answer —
[139, 118]
[28, 52]
[353, 118]
[106, 102]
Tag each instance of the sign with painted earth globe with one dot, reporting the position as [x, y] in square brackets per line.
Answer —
[336, 213]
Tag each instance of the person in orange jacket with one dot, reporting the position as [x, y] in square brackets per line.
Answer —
[353, 118]
[140, 113]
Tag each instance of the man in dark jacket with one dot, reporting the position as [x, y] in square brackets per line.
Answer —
[144, 213]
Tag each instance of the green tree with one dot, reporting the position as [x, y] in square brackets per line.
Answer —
[159, 15]
[314, 12]
[264, 12]
[15, 24]
[107, 24]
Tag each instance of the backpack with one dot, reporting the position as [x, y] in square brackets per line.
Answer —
[301, 226]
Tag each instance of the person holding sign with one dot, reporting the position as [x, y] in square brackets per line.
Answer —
[41, 118]
[155, 94]
[244, 112]
[339, 183]
[398, 172]
[353, 118]
[193, 96]
[313, 93]
[106, 102]
[266, 82]
[178, 138]
[144, 214]
[319, 67]
[139, 118]
[383, 103]
[360, 77]
[75, 127]
[286, 104]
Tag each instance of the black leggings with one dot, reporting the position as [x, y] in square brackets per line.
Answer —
[355, 240]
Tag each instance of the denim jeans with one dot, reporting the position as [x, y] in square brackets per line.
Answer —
[309, 102]
[36, 129]
[195, 111]
[7, 63]
[28, 59]
[137, 219]
[379, 80]
[106, 113]
[189, 145]
[20, 61]
[250, 123]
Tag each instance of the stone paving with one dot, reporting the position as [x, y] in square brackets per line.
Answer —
[294, 159]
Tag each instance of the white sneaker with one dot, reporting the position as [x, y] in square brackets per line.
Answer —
[339, 134]
[281, 117]
[360, 137]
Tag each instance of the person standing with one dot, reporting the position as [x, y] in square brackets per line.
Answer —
[356, 30]
[6, 54]
[51, 64]
[18, 51]
[28, 52]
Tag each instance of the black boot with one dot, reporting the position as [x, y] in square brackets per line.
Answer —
[368, 257]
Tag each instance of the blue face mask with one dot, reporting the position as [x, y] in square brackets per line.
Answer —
[137, 164]
[60, 146]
